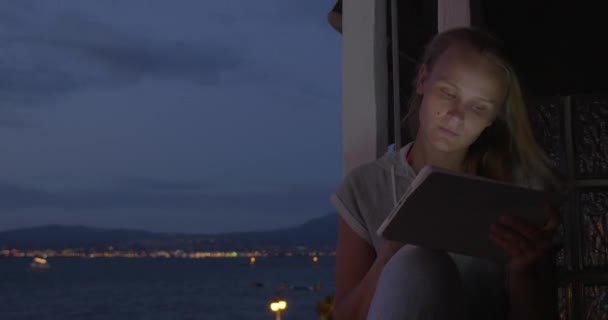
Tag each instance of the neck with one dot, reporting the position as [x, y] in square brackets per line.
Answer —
[423, 154]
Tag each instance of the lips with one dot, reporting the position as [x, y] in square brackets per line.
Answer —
[448, 132]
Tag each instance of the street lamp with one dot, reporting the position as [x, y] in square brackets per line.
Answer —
[277, 306]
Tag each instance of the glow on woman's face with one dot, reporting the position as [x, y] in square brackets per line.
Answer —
[461, 96]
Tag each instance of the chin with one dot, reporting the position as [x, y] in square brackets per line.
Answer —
[444, 146]
[447, 145]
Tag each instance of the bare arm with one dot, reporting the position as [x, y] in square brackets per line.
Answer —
[357, 271]
[534, 294]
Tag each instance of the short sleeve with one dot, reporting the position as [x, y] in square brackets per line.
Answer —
[346, 202]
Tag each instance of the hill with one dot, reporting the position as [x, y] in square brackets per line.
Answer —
[316, 233]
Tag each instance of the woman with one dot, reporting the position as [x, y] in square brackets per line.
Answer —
[466, 114]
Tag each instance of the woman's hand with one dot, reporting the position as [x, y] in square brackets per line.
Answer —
[526, 245]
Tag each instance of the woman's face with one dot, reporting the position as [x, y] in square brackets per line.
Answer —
[461, 96]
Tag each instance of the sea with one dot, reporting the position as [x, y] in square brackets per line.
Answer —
[160, 288]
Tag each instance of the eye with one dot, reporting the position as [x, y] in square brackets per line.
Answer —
[479, 107]
[447, 93]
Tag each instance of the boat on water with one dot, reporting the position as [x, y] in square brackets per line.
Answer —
[39, 264]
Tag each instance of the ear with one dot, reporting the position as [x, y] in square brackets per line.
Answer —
[421, 79]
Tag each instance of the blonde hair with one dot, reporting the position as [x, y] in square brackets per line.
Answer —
[506, 145]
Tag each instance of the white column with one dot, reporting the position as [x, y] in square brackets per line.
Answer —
[364, 82]
[453, 13]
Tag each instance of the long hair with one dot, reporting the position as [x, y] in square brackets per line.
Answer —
[508, 144]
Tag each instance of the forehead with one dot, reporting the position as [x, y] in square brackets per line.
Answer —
[471, 72]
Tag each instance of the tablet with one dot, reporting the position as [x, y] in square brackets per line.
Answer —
[452, 211]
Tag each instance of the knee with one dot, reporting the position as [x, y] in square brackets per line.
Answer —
[419, 283]
[413, 264]
[412, 257]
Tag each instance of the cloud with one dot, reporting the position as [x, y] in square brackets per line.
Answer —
[76, 52]
[154, 184]
[223, 114]
[13, 13]
[137, 193]
[10, 118]
[49, 50]
[162, 205]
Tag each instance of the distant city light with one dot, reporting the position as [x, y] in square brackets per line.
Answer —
[91, 253]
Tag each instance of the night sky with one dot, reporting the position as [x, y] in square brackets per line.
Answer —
[179, 116]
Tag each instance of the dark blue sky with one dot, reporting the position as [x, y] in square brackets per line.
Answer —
[186, 115]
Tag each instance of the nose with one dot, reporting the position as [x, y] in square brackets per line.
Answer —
[456, 112]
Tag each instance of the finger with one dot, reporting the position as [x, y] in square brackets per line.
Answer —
[527, 230]
[505, 245]
[513, 238]
[518, 256]
[554, 220]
